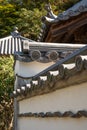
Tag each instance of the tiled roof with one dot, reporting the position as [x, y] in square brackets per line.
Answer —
[27, 50]
[75, 10]
[45, 52]
[59, 72]
[12, 44]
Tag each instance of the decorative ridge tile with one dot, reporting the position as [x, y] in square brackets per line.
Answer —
[57, 114]
[73, 11]
[45, 81]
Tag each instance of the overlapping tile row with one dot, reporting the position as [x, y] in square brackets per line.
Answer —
[74, 11]
[11, 45]
[45, 52]
[45, 82]
[77, 9]
[57, 114]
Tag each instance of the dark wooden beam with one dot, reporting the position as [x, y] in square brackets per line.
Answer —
[68, 22]
[70, 28]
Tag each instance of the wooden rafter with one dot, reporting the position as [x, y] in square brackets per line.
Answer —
[66, 28]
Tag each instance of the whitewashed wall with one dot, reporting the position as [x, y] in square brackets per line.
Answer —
[25, 68]
[72, 98]
[52, 124]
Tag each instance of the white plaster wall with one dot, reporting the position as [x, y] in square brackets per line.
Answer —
[52, 124]
[72, 98]
[29, 69]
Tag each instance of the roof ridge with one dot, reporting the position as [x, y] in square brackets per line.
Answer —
[62, 61]
[73, 11]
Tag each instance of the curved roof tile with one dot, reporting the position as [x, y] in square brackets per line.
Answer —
[12, 44]
[44, 81]
[75, 10]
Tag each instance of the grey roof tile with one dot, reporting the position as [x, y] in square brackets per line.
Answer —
[45, 81]
[58, 114]
[10, 45]
[73, 11]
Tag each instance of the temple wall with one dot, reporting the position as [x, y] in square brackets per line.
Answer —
[25, 68]
[52, 124]
[71, 98]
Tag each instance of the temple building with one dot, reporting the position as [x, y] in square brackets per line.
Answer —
[50, 88]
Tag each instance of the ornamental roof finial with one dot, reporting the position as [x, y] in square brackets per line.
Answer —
[15, 32]
[50, 13]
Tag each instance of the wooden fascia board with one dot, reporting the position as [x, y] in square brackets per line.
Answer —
[70, 21]
[62, 27]
[70, 28]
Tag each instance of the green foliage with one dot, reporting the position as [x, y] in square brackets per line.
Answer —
[26, 15]
[6, 76]
[8, 18]
[29, 22]
[6, 88]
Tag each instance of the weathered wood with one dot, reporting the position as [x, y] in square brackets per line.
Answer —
[59, 29]
[70, 28]
[48, 37]
[69, 22]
